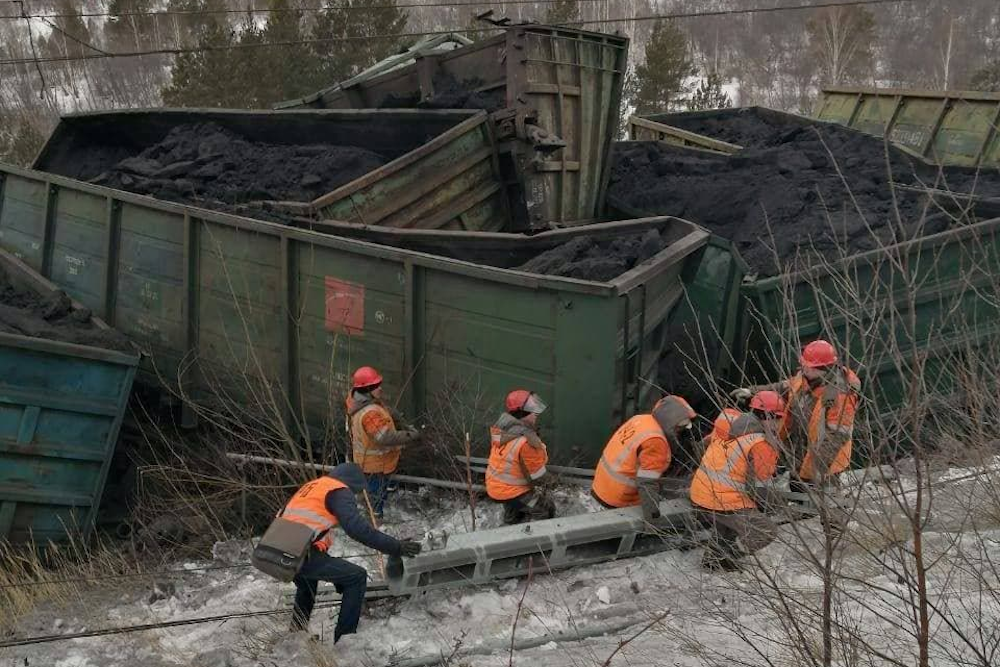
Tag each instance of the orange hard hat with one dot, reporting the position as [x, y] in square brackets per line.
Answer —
[818, 354]
[366, 376]
[768, 401]
[525, 401]
[724, 421]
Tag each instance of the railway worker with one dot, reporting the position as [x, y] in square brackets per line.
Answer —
[639, 453]
[324, 504]
[376, 439]
[516, 471]
[818, 425]
[729, 487]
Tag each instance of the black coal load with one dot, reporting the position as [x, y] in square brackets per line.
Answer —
[207, 165]
[597, 259]
[450, 93]
[795, 190]
[52, 317]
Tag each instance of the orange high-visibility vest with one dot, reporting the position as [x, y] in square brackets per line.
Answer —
[308, 507]
[830, 414]
[505, 478]
[367, 453]
[619, 468]
[721, 480]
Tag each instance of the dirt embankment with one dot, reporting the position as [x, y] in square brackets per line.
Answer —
[793, 190]
[52, 317]
[204, 164]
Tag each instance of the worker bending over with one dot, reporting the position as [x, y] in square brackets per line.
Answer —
[324, 504]
[376, 442]
[729, 486]
[818, 425]
[638, 454]
[517, 461]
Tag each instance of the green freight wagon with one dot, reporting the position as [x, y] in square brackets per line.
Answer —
[61, 406]
[568, 81]
[933, 298]
[274, 318]
[443, 170]
[956, 127]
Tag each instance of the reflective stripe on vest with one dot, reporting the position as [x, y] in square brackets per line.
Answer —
[510, 460]
[613, 468]
[724, 477]
[322, 523]
[358, 436]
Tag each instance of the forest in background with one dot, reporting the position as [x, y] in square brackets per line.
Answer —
[53, 52]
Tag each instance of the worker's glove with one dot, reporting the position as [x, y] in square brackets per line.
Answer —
[741, 394]
[409, 548]
[649, 499]
[414, 434]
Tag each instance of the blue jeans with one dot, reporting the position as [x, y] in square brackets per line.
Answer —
[378, 491]
[350, 580]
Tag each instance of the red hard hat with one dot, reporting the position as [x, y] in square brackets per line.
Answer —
[522, 399]
[768, 401]
[818, 354]
[366, 376]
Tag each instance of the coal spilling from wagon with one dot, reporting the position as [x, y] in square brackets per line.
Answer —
[796, 188]
[52, 317]
[204, 163]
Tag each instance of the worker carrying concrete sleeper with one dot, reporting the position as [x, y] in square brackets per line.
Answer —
[376, 440]
[324, 504]
[516, 472]
[638, 454]
[818, 425]
[731, 486]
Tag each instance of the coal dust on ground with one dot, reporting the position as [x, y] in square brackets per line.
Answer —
[52, 317]
[795, 190]
[206, 165]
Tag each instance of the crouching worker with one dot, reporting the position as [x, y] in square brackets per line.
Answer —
[323, 504]
[729, 485]
[518, 457]
[638, 454]
[376, 439]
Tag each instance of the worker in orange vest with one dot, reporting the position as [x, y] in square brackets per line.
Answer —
[727, 487]
[376, 442]
[818, 425]
[518, 457]
[325, 504]
[638, 454]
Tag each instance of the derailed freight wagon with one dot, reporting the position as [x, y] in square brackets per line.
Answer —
[269, 310]
[566, 81]
[439, 168]
[61, 407]
[948, 127]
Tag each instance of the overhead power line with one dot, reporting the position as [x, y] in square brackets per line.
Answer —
[265, 10]
[331, 40]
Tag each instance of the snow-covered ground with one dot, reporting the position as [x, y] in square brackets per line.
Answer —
[663, 609]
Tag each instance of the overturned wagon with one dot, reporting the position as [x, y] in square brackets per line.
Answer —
[276, 316]
[397, 168]
[566, 81]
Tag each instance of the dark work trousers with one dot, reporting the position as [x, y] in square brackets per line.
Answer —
[532, 506]
[350, 580]
[378, 491]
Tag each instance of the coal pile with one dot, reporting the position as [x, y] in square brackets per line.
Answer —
[208, 165]
[601, 260]
[450, 93]
[795, 189]
[52, 317]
